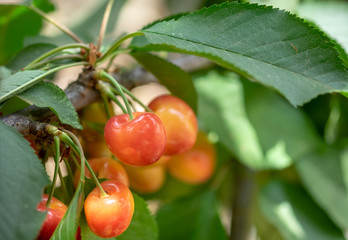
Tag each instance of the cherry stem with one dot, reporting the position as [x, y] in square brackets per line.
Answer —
[107, 90]
[56, 167]
[54, 51]
[130, 94]
[105, 103]
[60, 26]
[104, 75]
[70, 173]
[76, 146]
[118, 42]
[57, 58]
[104, 23]
[63, 183]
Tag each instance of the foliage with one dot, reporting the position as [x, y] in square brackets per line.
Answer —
[273, 102]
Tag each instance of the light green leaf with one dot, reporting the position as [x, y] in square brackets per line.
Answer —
[143, 225]
[18, 83]
[194, 217]
[295, 214]
[284, 132]
[323, 176]
[67, 227]
[222, 110]
[12, 105]
[22, 179]
[269, 45]
[4, 72]
[178, 82]
[331, 16]
[46, 94]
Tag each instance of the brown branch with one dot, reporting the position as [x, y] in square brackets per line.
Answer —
[82, 92]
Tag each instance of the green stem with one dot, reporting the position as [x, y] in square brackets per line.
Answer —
[107, 90]
[75, 161]
[63, 183]
[54, 51]
[106, 103]
[115, 45]
[54, 59]
[68, 167]
[56, 167]
[104, 23]
[60, 26]
[105, 75]
[77, 146]
[129, 93]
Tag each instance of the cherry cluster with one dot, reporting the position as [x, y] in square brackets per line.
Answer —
[145, 145]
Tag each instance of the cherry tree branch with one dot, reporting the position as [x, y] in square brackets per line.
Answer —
[82, 92]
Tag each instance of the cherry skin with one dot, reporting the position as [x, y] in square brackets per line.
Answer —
[105, 168]
[179, 121]
[137, 142]
[148, 179]
[196, 165]
[111, 215]
[55, 213]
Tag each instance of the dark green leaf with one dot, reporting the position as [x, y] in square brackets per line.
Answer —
[28, 54]
[269, 45]
[178, 82]
[12, 105]
[323, 175]
[295, 214]
[221, 109]
[280, 127]
[194, 217]
[22, 179]
[18, 83]
[331, 16]
[67, 227]
[46, 94]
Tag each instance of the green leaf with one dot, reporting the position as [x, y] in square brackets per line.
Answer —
[12, 105]
[295, 214]
[284, 132]
[67, 227]
[47, 94]
[22, 179]
[194, 217]
[28, 54]
[4, 72]
[18, 83]
[332, 17]
[142, 227]
[269, 45]
[323, 176]
[178, 82]
[222, 110]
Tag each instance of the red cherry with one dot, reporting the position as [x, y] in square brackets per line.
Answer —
[179, 121]
[111, 215]
[55, 213]
[137, 142]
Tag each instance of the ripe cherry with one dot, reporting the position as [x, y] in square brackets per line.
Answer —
[105, 168]
[196, 165]
[136, 142]
[146, 179]
[55, 213]
[111, 215]
[179, 121]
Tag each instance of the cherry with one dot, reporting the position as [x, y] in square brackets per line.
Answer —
[55, 213]
[196, 165]
[179, 121]
[136, 142]
[105, 168]
[146, 179]
[109, 216]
